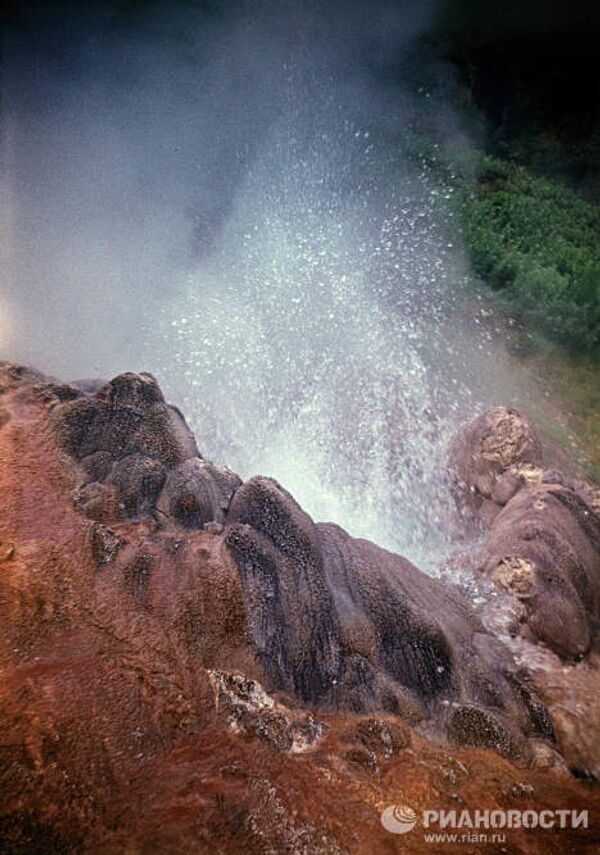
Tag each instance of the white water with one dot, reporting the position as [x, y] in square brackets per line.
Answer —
[232, 205]
[316, 343]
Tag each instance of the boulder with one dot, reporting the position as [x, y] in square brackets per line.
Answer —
[126, 416]
[494, 455]
[291, 613]
[543, 550]
[138, 480]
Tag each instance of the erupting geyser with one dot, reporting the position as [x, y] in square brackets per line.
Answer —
[286, 564]
[237, 203]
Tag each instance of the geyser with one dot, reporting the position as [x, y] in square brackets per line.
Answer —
[236, 203]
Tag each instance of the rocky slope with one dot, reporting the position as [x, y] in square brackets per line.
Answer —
[192, 664]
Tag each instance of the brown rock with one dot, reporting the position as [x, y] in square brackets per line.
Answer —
[250, 710]
[111, 741]
[470, 725]
[544, 550]
[494, 455]
[308, 587]
[198, 492]
[384, 738]
[105, 545]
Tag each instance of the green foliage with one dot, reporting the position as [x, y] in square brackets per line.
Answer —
[538, 243]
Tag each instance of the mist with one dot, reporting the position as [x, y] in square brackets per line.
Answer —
[231, 200]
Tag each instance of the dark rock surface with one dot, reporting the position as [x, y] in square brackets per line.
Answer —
[538, 572]
[542, 549]
[138, 456]
[197, 492]
[126, 416]
[334, 621]
[254, 683]
[343, 624]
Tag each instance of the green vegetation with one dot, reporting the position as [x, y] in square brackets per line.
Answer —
[527, 87]
[537, 243]
[576, 383]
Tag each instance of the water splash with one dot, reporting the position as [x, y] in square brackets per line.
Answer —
[232, 203]
[308, 341]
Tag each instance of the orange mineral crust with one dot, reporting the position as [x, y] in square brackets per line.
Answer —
[142, 709]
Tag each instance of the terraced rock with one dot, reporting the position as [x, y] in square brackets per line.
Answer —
[192, 664]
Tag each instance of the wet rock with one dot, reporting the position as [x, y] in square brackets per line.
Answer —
[163, 435]
[97, 501]
[403, 703]
[97, 465]
[570, 693]
[538, 713]
[88, 425]
[387, 595]
[136, 391]
[335, 621]
[105, 545]
[345, 625]
[470, 725]
[138, 480]
[250, 710]
[197, 492]
[108, 712]
[141, 455]
[544, 551]
[495, 455]
[291, 615]
[384, 738]
[127, 416]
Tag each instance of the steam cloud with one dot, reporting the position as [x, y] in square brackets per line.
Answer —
[227, 199]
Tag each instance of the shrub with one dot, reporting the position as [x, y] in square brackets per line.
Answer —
[537, 242]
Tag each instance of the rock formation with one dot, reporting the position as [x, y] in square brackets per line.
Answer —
[544, 550]
[343, 624]
[543, 545]
[541, 554]
[493, 456]
[192, 664]
[334, 621]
